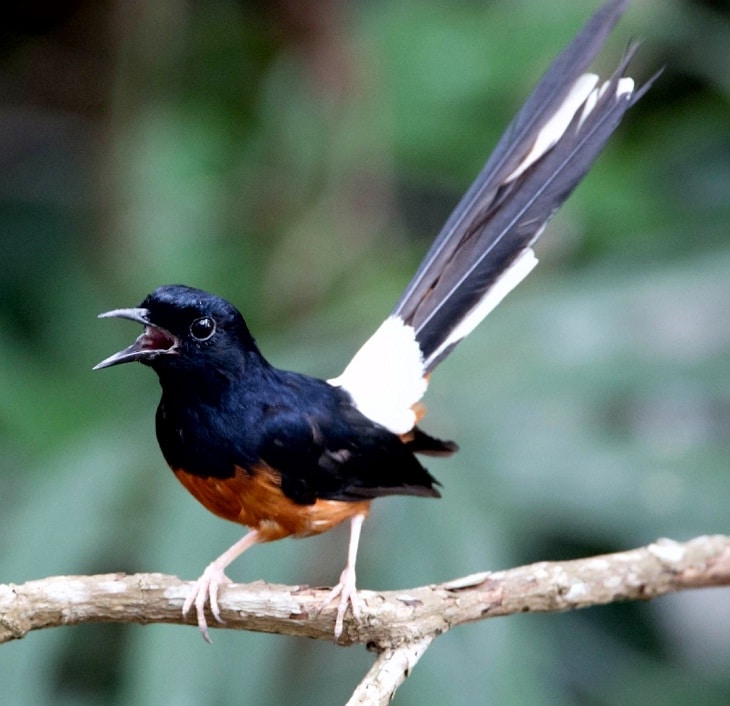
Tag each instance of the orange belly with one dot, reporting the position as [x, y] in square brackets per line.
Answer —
[257, 501]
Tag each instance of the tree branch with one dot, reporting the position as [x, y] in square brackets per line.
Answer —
[392, 667]
[399, 625]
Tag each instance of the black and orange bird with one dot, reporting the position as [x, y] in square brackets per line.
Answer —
[291, 455]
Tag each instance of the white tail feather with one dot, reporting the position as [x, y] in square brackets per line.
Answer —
[554, 128]
[510, 278]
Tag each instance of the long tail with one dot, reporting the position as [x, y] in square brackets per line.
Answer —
[485, 248]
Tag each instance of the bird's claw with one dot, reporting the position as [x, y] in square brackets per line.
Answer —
[206, 589]
[347, 592]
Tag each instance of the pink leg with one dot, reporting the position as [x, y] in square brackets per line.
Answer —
[209, 584]
[346, 588]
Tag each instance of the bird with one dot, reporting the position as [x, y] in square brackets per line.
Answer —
[290, 455]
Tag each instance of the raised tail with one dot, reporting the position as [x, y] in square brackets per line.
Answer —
[485, 248]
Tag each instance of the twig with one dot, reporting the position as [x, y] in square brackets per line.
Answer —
[392, 667]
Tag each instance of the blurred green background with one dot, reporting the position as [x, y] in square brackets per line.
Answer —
[297, 158]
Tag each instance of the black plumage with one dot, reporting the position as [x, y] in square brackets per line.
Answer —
[225, 407]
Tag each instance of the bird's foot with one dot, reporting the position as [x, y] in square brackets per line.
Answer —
[206, 589]
[347, 593]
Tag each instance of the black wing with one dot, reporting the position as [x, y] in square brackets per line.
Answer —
[324, 448]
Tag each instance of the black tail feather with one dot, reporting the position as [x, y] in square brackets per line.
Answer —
[501, 214]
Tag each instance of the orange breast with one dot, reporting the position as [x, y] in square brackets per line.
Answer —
[257, 501]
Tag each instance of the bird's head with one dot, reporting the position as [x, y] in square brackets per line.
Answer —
[186, 330]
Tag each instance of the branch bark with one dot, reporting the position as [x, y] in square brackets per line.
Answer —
[399, 625]
[392, 667]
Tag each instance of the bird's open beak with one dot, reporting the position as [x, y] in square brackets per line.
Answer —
[153, 342]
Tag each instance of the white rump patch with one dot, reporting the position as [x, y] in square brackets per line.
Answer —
[554, 128]
[508, 280]
[385, 378]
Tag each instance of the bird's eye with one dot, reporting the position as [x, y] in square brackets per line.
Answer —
[203, 328]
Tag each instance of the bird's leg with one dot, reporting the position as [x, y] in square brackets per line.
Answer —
[346, 589]
[208, 585]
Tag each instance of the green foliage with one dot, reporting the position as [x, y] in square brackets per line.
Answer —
[300, 169]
